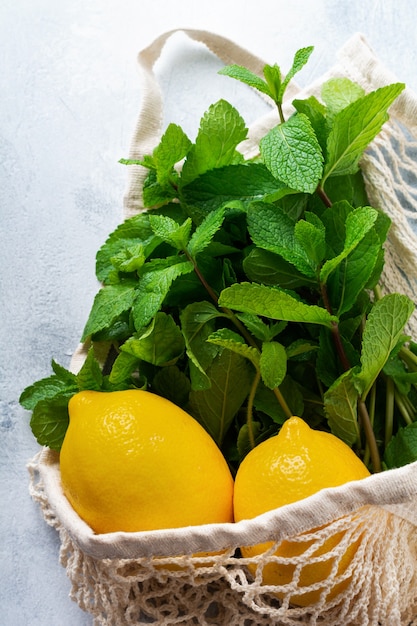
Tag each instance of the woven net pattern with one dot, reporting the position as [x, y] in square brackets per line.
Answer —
[389, 168]
[376, 582]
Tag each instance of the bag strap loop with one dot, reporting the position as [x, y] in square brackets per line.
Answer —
[149, 123]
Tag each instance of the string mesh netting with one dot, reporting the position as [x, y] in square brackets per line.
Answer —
[389, 168]
[368, 558]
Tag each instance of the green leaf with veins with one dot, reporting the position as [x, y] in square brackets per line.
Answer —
[130, 239]
[50, 419]
[293, 154]
[262, 266]
[172, 148]
[272, 229]
[402, 449]
[354, 127]
[247, 77]
[273, 303]
[384, 327]
[310, 235]
[204, 233]
[161, 343]
[61, 382]
[110, 302]
[338, 93]
[90, 375]
[197, 324]
[273, 364]
[233, 341]
[300, 59]
[215, 408]
[341, 408]
[221, 130]
[358, 223]
[239, 182]
[168, 230]
[354, 274]
[154, 286]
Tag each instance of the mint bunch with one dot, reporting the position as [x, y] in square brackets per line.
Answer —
[248, 291]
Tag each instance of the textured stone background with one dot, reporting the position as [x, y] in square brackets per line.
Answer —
[69, 98]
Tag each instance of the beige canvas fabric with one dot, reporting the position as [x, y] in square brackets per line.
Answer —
[153, 577]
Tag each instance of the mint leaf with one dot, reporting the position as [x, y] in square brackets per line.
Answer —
[171, 383]
[172, 148]
[273, 303]
[292, 153]
[123, 367]
[135, 234]
[110, 302]
[155, 194]
[204, 233]
[50, 419]
[383, 329]
[355, 127]
[316, 113]
[232, 341]
[259, 329]
[61, 382]
[221, 130]
[403, 379]
[240, 182]
[244, 444]
[215, 408]
[300, 59]
[161, 343]
[358, 223]
[272, 229]
[247, 77]
[402, 449]
[154, 286]
[168, 230]
[273, 364]
[310, 235]
[340, 405]
[262, 266]
[90, 375]
[353, 275]
[338, 93]
[381, 228]
[197, 324]
[273, 78]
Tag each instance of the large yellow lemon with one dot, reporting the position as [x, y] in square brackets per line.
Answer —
[134, 461]
[288, 467]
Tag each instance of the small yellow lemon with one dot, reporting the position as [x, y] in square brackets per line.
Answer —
[288, 467]
[134, 461]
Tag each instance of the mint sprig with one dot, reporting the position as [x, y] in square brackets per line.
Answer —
[249, 288]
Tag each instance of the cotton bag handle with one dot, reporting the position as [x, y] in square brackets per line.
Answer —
[149, 123]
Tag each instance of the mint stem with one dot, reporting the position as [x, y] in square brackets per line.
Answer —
[362, 410]
[282, 401]
[389, 410]
[409, 358]
[401, 403]
[370, 436]
[280, 112]
[323, 196]
[249, 409]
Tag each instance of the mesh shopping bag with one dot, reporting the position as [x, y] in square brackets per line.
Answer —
[156, 576]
